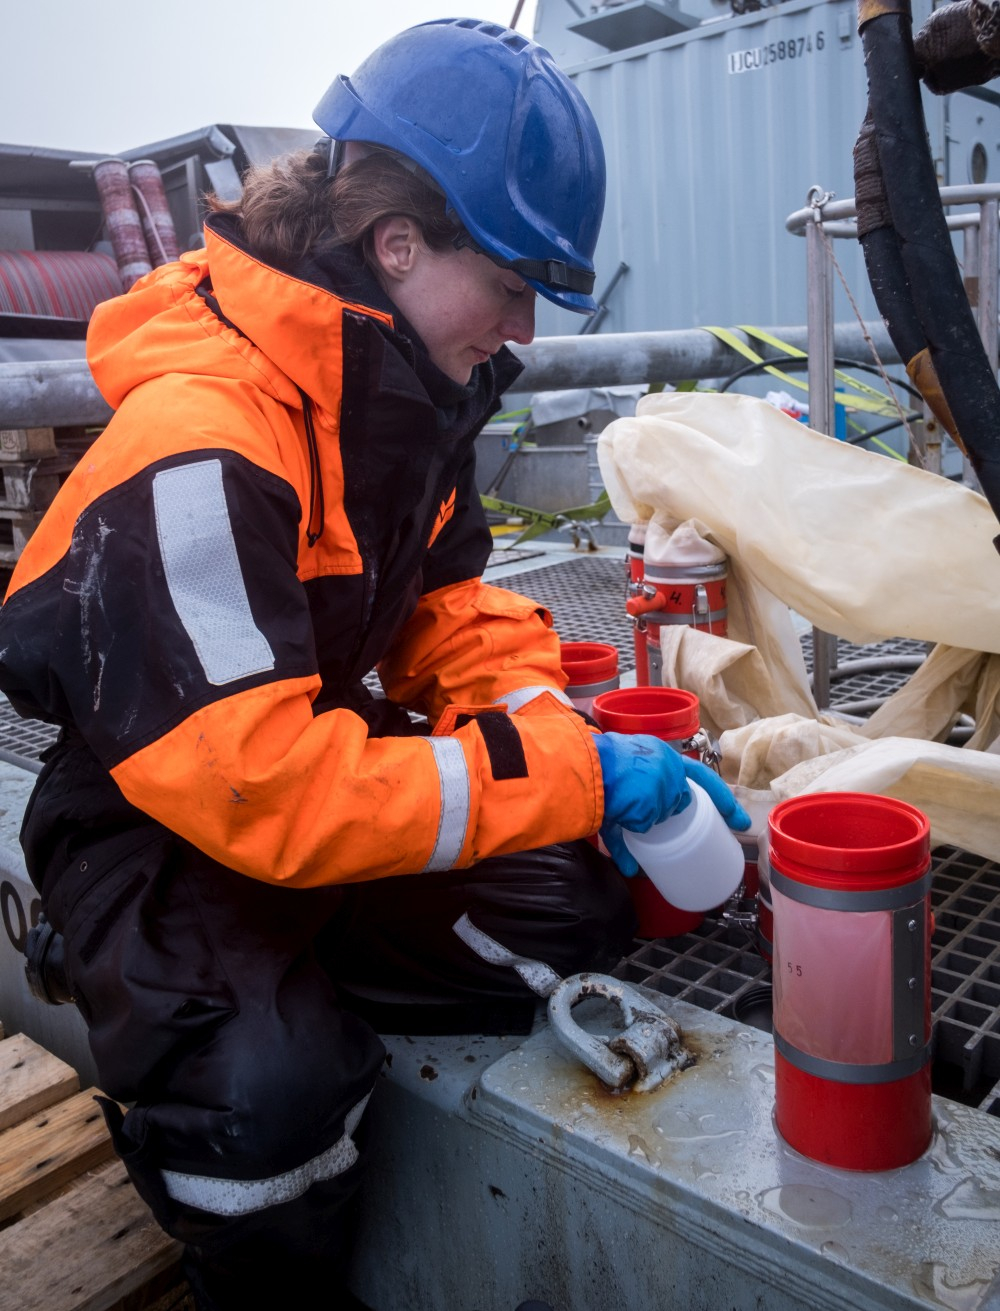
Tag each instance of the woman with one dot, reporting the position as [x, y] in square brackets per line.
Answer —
[284, 500]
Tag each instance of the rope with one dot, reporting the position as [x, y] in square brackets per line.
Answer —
[915, 450]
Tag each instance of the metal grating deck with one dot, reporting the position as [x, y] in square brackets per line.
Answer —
[861, 691]
[27, 738]
[586, 595]
[718, 966]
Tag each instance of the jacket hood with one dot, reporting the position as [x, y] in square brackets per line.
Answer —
[288, 336]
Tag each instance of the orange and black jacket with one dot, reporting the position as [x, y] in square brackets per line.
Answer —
[280, 504]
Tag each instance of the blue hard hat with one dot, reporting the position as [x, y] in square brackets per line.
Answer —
[504, 134]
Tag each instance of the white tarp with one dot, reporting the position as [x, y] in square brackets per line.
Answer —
[861, 546]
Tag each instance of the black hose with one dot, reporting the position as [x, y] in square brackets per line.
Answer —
[927, 276]
[860, 437]
[793, 362]
[891, 289]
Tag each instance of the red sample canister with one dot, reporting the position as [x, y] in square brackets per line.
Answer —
[591, 668]
[674, 716]
[672, 594]
[634, 557]
[850, 889]
[669, 713]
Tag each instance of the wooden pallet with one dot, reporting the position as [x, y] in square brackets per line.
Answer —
[23, 443]
[39, 443]
[16, 526]
[74, 1233]
[34, 464]
[32, 484]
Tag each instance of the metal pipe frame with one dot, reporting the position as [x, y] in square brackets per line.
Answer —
[825, 216]
[557, 363]
[819, 314]
[798, 222]
[879, 664]
[61, 393]
[849, 229]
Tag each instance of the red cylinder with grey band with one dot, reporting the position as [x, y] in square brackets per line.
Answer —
[850, 888]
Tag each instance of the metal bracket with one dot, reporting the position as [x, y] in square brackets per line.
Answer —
[580, 530]
[816, 198]
[643, 1056]
[709, 751]
[741, 910]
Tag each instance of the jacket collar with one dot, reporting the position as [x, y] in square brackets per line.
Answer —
[295, 317]
[297, 324]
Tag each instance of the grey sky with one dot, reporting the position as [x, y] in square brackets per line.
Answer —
[106, 75]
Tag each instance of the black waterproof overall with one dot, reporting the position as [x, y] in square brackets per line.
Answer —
[229, 1013]
[236, 1017]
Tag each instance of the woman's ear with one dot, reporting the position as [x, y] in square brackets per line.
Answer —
[396, 241]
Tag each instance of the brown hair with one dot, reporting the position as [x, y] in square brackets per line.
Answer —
[291, 205]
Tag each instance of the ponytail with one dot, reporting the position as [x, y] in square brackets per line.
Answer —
[290, 206]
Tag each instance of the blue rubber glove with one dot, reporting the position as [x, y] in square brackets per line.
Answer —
[645, 781]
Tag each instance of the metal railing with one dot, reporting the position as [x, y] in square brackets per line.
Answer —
[825, 218]
[61, 393]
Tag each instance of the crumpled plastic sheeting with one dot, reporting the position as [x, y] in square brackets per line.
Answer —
[860, 545]
[734, 683]
[896, 553]
[755, 755]
[556, 406]
[949, 683]
[958, 790]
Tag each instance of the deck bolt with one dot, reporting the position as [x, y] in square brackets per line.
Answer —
[913, 1040]
[911, 984]
[912, 926]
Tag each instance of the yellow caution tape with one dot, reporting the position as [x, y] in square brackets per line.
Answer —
[879, 403]
[870, 400]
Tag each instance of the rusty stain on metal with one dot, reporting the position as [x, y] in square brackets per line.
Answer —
[154, 212]
[122, 219]
[648, 1047]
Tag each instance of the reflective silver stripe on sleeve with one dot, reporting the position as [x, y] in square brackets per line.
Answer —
[539, 977]
[242, 1196]
[453, 776]
[203, 572]
[515, 700]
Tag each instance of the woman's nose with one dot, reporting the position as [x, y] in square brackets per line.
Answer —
[519, 321]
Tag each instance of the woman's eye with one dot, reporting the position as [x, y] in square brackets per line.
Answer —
[515, 293]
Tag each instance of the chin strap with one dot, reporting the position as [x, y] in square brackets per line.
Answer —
[554, 273]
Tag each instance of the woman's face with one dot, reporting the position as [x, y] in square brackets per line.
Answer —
[461, 304]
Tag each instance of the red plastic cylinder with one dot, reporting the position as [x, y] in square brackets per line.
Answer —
[692, 595]
[669, 713]
[674, 716]
[850, 891]
[765, 913]
[764, 936]
[591, 668]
